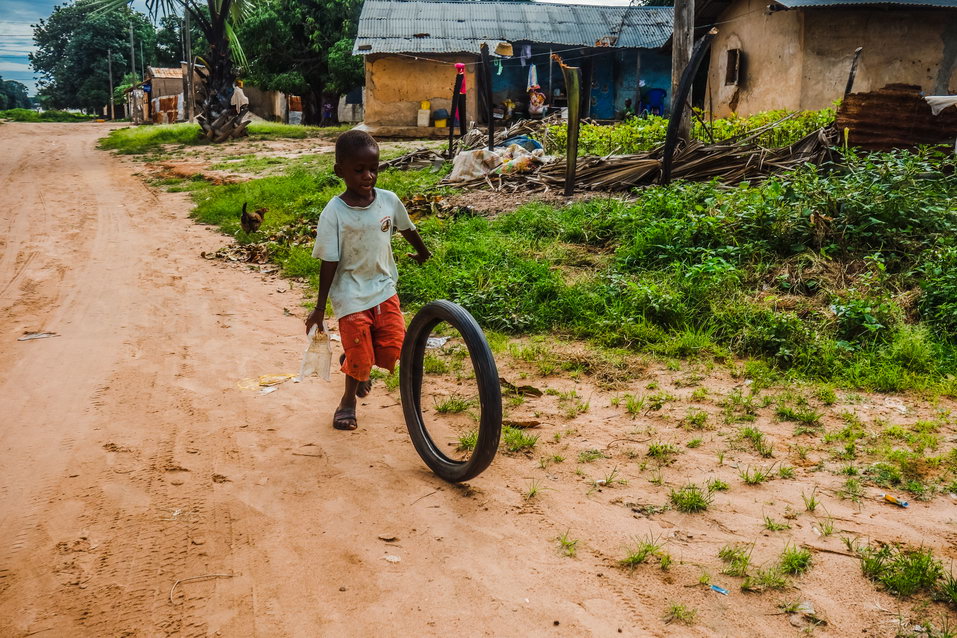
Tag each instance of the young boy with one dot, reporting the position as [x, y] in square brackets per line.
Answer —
[358, 273]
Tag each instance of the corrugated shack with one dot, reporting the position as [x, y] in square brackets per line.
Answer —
[796, 54]
[411, 47]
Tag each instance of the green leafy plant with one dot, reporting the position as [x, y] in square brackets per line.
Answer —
[690, 499]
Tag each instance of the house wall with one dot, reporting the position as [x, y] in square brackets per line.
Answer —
[269, 105]
[396, 84]
[772, 63]
[907, 46]
[635, 66]
[800, 59]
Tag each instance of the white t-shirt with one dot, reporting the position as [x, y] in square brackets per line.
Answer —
[360, 239]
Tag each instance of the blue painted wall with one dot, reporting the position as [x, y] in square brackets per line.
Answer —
[614, 77]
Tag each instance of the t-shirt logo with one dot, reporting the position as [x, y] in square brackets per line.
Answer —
[385, 224]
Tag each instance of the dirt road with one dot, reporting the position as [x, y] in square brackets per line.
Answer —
[132, 460]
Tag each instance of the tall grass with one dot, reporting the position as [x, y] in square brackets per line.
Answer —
[143, 139]
[29, 115]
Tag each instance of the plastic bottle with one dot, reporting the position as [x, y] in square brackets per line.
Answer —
[890, 498]
[317, 359]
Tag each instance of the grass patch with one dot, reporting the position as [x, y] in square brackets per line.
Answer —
[737, 558]
[517, 440]
[680, 613]
[642, 551]
[136, 140]
[453, 404]
[690, 499]
[795, 560]
[30, 115]
[567, 545]
[901, 571]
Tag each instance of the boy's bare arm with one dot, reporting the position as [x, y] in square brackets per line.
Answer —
[421, 254]
[326, 273]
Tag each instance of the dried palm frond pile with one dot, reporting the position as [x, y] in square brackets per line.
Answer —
[732, 161]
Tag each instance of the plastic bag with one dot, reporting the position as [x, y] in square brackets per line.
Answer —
[317, 359]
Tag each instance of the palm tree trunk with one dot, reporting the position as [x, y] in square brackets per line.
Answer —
[218, 119]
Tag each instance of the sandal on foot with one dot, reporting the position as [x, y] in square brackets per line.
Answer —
[345, 419]
[365, 387]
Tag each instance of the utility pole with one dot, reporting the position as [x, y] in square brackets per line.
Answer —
[188, 80]
[681, 44]
[132, 51]
[142, 62]
[109, 67]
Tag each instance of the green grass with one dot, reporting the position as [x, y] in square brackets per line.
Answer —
[737, 558]
[641, 551]
[772, 525]
[716, 485]
[689, 270]
[901, 571]
[680, 613]
[764, 579]
[567, 545]
[662, 452]
[587, 456]
[756, 476]
[517, 440]
[453, 404]
[143, 139]
[795, 560]
[29, 115]
[690, 499]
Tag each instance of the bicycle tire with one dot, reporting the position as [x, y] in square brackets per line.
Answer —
[486, 377]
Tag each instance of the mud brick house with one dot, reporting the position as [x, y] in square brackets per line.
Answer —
[411, 46]
[796, 54]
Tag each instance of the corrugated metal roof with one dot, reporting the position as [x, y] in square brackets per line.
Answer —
[799, 4]
[159, 72]
[428, 26]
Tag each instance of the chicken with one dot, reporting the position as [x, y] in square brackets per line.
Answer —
[252, 221]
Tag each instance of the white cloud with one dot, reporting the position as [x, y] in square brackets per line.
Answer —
[15, 66]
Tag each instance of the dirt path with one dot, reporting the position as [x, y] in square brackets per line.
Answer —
[145, 493]
[133, 460]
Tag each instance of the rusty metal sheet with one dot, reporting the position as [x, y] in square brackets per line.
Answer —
[896, 116]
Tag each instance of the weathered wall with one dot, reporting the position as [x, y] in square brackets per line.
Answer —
[773, 60]
[905, 46]
[396, 84]
[800, 59]
[269, 105]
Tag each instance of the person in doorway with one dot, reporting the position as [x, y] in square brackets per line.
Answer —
[327, 114]
[628, 111]
[358, 273]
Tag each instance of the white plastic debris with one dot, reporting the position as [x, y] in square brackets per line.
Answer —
[392, 558]
[317, 359]
[436, 342]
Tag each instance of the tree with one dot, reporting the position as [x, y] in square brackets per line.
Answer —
[13, 95]
[218, 119]
[169, 41]
[71, 52]
[304, 47]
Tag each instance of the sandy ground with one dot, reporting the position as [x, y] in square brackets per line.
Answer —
[144, 492]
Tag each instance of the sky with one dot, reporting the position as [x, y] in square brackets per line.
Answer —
[16, 34]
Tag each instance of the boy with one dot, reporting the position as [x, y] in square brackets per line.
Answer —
[358, 273]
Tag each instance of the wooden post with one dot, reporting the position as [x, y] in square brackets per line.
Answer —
[455, 102]
[853, 74]
[132, 51]
[573, 81]
[190, 91]
[487, 74]
[585, 83]
[681, 44]
[684, 90]
[109, 70]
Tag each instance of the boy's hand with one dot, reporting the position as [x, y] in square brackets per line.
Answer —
[420, 258]
[316, 318]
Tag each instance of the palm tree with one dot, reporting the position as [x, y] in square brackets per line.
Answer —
[217, 20]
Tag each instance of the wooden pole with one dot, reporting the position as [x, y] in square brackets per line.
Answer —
[109, 70]
[684, 90]
[487, 74]
[132, 51]
[681, 44]
[573, 81]
[455, 102]
[853, 74]
[190, 90]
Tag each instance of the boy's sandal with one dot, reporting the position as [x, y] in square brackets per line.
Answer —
[365, 387]
[345, 419]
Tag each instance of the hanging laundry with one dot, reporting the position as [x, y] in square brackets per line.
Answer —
[526, 54]
[532, 77]
[498, 65]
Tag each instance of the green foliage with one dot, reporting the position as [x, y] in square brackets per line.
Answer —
[144, 139]
[638, 134]
[30, 115]
[517, 440]
[795, 560]
[901, 571]
[690, 499]
[13, 95]
[70, 54]
[738, 559]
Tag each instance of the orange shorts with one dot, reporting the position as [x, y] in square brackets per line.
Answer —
[373, 336]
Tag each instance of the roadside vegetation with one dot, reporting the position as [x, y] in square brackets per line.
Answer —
[30, 115]
[638, 134]
[844, 274]
[145, 139]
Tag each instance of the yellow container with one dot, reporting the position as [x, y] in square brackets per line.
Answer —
[441, 123]
[425, 105]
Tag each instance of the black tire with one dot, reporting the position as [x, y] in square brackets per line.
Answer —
[486, 377]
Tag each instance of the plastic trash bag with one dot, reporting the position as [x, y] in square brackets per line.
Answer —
[469, 165]
[317, 359]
